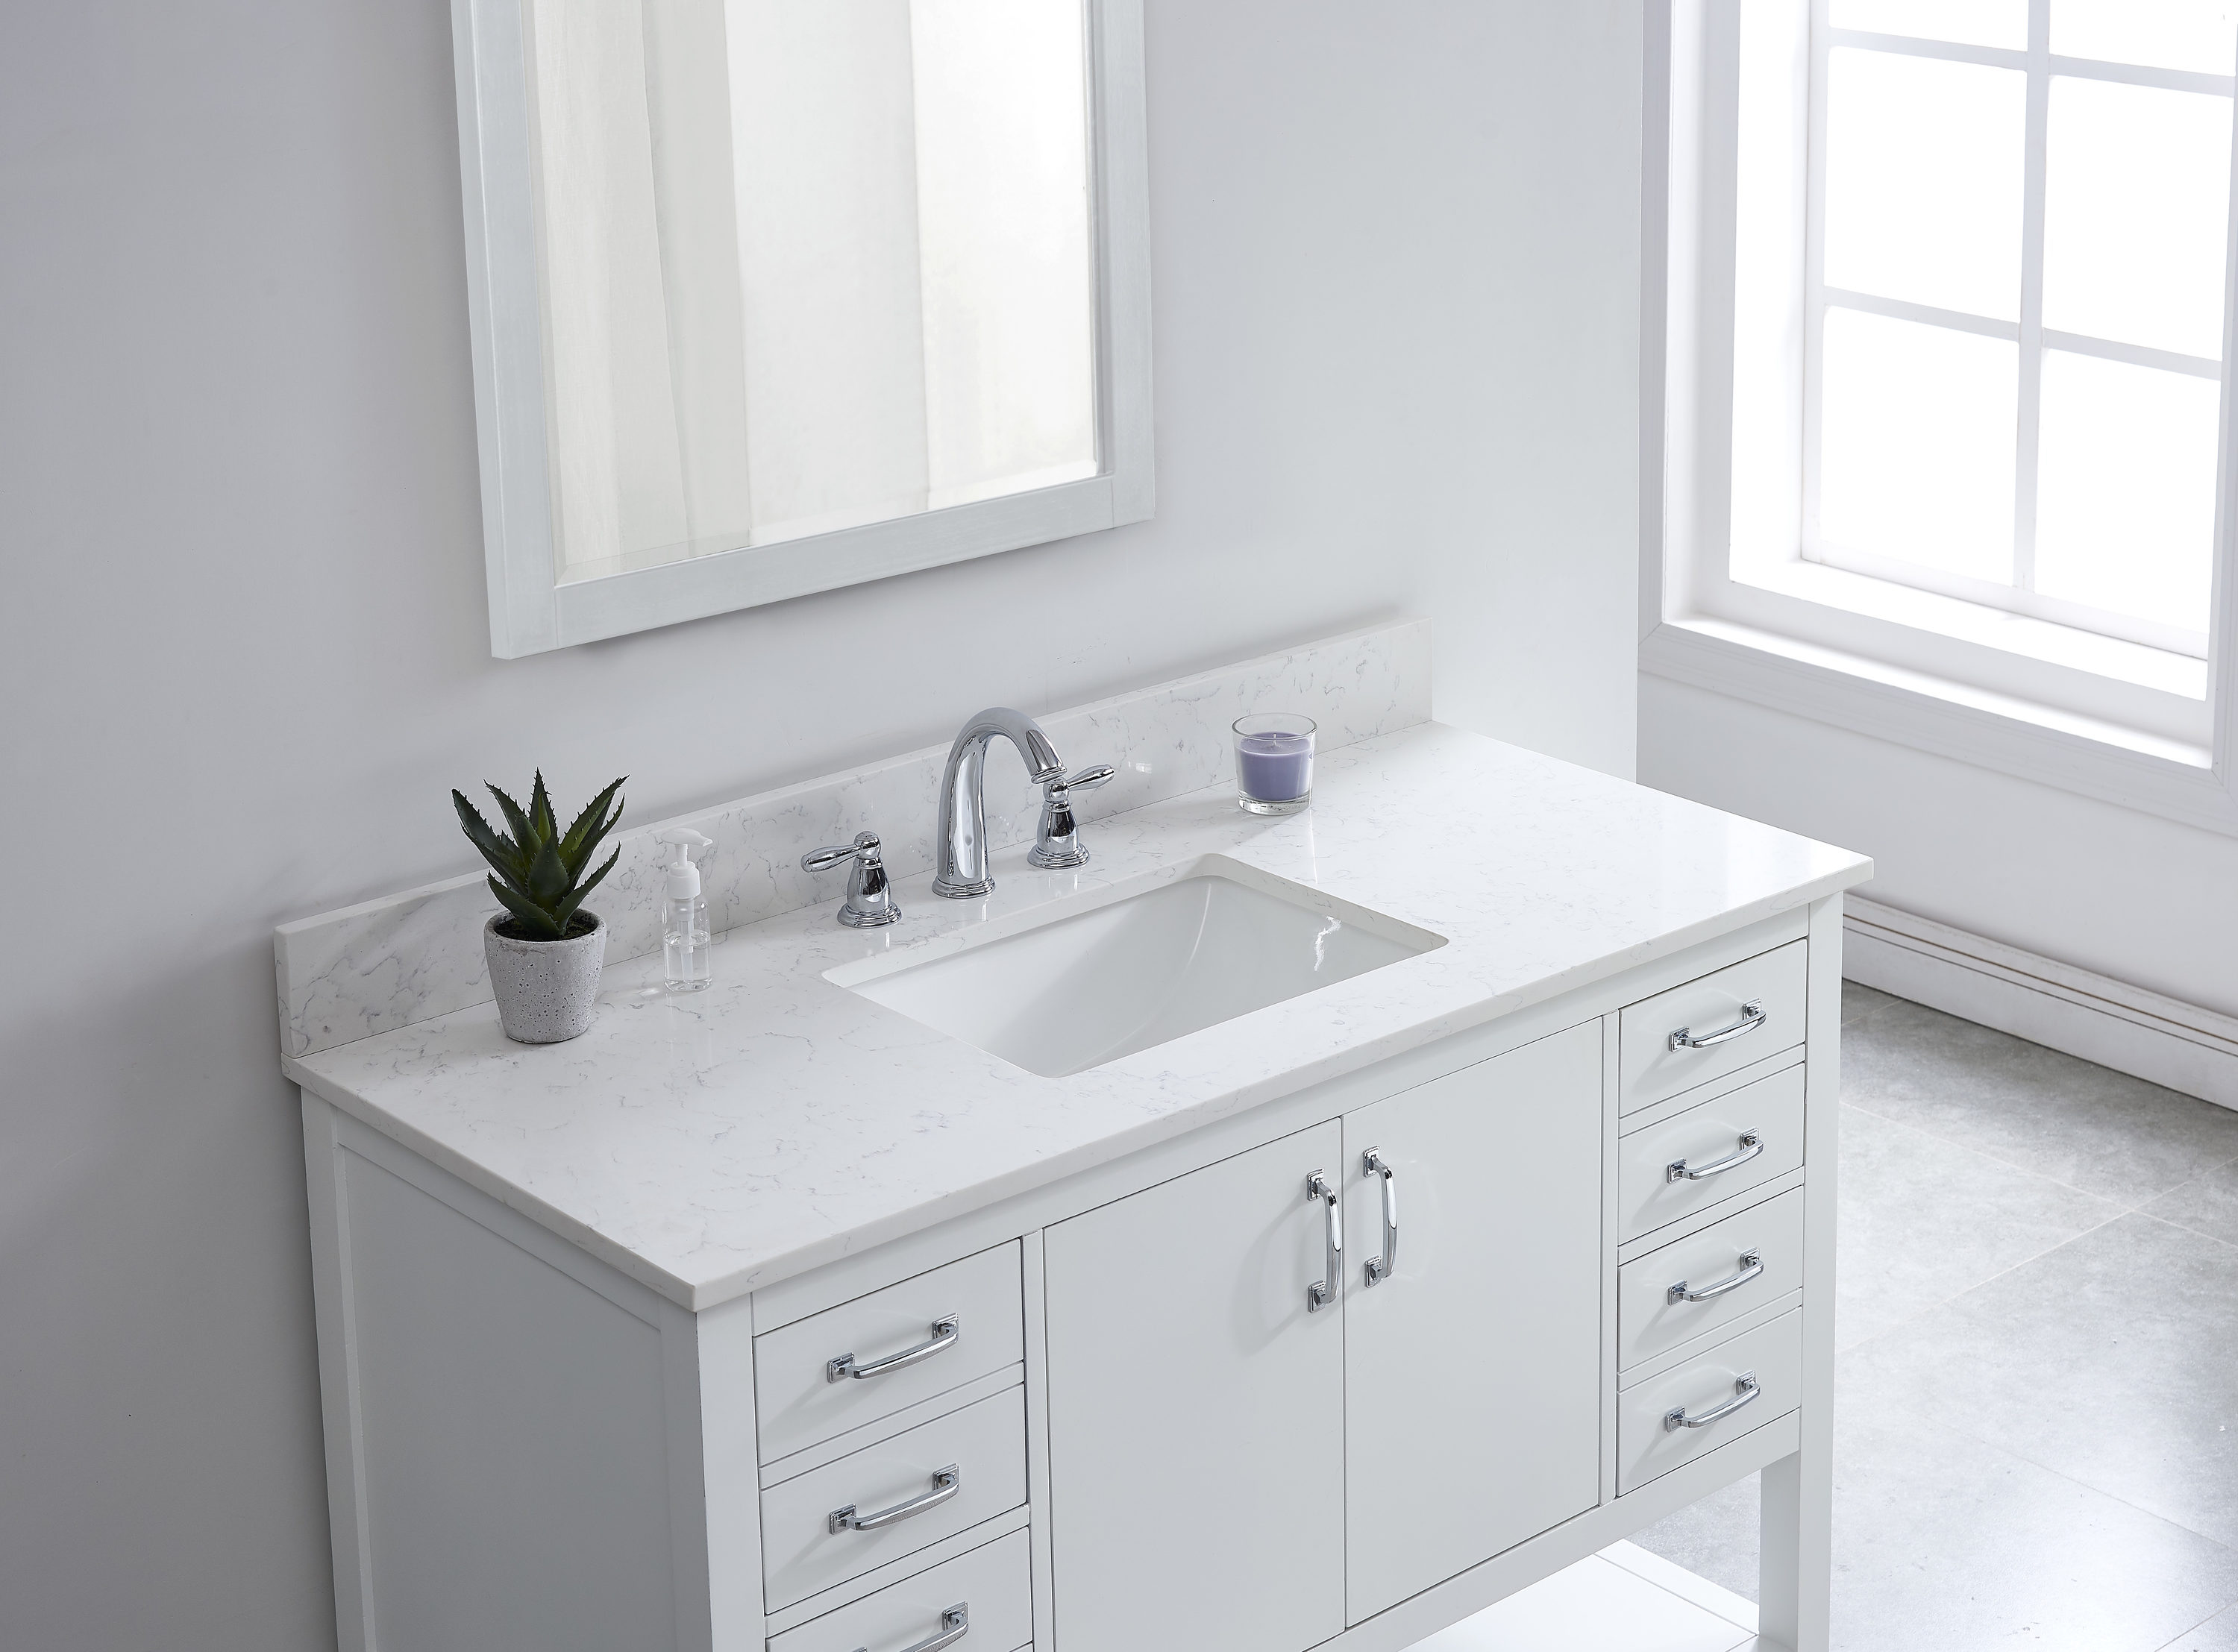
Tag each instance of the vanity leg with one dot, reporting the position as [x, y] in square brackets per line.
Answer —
[1796, 1568]
[1797, 1531]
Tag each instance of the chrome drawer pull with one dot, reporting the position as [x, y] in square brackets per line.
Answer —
[944, 1333]
[1751, 1018]
[1679, 1169]
[946, 1483]
[1378, 1268]
[1746, 1392]
[955, 1624]
[1322, 1292]
[1752, 1265]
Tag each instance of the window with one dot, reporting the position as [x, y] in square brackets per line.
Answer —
[2014, 353]
[1949, 288]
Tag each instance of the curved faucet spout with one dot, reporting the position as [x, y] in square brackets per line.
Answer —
[963, 875]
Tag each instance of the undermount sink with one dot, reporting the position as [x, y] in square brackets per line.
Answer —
[1115, 973]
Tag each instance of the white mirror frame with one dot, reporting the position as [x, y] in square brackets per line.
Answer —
[531, 611]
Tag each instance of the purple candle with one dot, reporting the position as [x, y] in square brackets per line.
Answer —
[1274, 763]
[1274, 768]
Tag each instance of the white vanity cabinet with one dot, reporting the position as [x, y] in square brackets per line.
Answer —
[1174, 1398]
[1249, 1435]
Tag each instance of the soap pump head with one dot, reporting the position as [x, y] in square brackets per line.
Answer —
[683, 875]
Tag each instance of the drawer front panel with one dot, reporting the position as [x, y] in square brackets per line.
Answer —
[1650, 1443]
[1649, 1321]
[1649, 1069]
[985, 1442]
[797, 1402]
[1652, 1193]
[993, 1584]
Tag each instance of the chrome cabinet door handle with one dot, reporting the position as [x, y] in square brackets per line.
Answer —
[1751, 1144]
[1751, 1018]
[944, 1333]
[1752, 1265]
[1378, 1268]
[1746, 1392]
[946, 1483]
[1322, 1292]
[955, 1624]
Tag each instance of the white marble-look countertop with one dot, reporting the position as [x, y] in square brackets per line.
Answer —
[711, 1143]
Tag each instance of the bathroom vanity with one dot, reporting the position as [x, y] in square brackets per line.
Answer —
[893, 1294]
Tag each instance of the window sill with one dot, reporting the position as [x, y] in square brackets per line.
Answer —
[1960, 621]
[2114, 761]
[2099, 688]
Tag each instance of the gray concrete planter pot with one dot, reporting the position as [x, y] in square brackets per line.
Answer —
[546, 989]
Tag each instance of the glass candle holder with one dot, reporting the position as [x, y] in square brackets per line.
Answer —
[1273, 763]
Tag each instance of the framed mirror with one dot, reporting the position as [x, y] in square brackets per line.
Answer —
[772, 296]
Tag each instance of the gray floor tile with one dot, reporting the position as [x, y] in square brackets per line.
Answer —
[1922, 1219]
[2206, 1205]
[2099, 1131]
[1859, 1001]
[1945, 1543]
[1716, 1538]
[2112, 1360]
[2218, 1634]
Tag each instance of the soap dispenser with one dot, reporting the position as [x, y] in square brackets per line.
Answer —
[686, 944]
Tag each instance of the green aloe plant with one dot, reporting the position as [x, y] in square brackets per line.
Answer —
[538, 870]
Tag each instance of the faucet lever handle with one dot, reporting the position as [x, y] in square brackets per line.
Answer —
[1079, 780]
[870, 901]
[865, 846]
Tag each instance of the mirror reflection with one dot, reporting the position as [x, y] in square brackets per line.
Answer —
[807, 267]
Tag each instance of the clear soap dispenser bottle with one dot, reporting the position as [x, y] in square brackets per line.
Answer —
[687, 946]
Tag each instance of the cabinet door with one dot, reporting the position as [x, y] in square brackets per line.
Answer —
[1473, 1373]
[1196, 1412]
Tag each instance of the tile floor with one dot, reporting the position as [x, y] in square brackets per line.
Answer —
[2036, 1422]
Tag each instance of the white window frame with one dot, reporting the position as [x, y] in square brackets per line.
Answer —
[531, 610]
[2113, 717]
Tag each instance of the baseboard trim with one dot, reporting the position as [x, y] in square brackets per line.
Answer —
[2163, 1040]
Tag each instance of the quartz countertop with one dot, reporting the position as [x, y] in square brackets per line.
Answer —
[711, 1143]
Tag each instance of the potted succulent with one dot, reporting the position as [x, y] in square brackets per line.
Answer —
[544, 951]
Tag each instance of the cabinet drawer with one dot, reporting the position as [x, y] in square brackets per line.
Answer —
[1649, 1069]
[1756, 1130]
[1649, 1320]
[993, 1584]
[1650, 1438]
[986, 1445]
[796, 1400]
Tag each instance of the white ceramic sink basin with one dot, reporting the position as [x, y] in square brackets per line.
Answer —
[1117, 972]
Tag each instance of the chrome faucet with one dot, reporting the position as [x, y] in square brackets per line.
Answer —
[963, 875]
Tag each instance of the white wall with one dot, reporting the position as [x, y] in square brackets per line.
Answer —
[2107, 888]
[243, 646]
